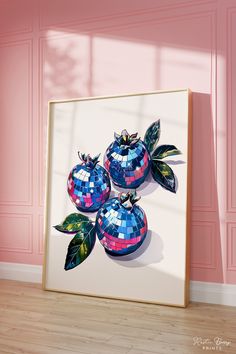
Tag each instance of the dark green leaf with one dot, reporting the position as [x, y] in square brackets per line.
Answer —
[152, 135]
[163, 151]
[134, 198]
[124, 197]
[163, 174]
[95, 160]
[80, 246]
[73, 223]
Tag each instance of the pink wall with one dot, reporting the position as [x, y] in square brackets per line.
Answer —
[75, 48]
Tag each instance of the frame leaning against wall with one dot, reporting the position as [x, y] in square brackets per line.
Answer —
[67, 119]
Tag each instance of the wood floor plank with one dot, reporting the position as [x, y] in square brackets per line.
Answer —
[33, 321]
[18, 347]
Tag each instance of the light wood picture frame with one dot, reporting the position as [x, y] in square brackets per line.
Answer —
[158, 271]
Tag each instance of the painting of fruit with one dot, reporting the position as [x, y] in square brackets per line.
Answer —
[120, 225]
[118, 189]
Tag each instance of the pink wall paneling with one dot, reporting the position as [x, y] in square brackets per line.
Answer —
[71, 13]
[231, 251]
[231, 246]
[17, 227]
[231, 109]
[64, 49]
[205, 257]
[16, 17]
[206, 262]
[16, 123]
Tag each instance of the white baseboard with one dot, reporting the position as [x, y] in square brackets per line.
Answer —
[21, 272]
[212, 293]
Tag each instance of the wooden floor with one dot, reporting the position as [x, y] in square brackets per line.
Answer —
[33, 321]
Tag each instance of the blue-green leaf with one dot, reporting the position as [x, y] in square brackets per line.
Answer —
[152, 136]
[163, 174]
[80, 246]
[163, 151]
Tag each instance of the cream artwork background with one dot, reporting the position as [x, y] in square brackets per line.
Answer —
[158, 273]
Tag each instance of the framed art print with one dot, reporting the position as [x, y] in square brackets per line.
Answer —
[118, 197]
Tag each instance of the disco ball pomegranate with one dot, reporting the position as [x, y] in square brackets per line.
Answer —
[127, 160]
[88, 184]
[121, 225]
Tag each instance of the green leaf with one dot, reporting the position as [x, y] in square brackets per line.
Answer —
[80, 246]
[163, 174]
[163, 151]
[152, 135]
[73, 223]
[134, 198]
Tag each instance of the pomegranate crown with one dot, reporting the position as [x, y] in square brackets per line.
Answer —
[88, 161]
[128, 199]
[126, 139]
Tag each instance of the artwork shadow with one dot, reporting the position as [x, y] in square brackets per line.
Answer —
[149, 185]
[151, 251]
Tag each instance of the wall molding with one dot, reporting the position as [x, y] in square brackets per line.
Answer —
[229, 63]
[231, 265]
[41, 234]
[29, 218]
[124, 14]
[29, 45]
[26, 29]
[212, 293]
[212, 244]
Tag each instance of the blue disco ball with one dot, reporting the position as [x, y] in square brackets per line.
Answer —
[121, 227]
[127, 161]
[88, 184]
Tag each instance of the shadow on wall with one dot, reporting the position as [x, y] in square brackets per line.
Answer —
[206, 251]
